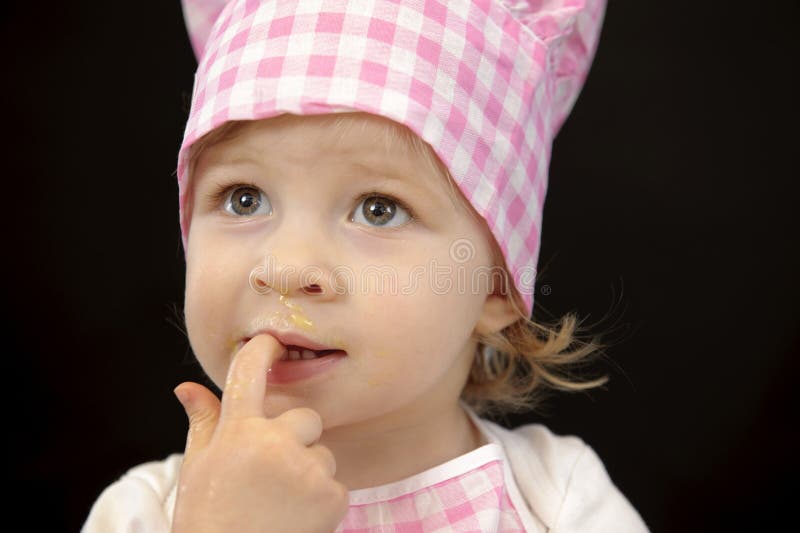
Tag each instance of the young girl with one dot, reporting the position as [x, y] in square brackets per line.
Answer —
[329, 141]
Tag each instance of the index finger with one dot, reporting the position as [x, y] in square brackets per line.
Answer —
[246, 383]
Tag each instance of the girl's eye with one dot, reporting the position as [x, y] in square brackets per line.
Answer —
[244, 201]
[373, 208]
[381, 211]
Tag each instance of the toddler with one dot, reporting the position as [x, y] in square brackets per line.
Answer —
[360, 198]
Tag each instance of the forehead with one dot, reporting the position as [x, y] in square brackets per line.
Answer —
[345, 134]
[357, 137]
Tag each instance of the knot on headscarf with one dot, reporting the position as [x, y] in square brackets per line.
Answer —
[570, 29]
[200, 16]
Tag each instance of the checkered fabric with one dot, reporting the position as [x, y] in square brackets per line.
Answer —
[472, 498]
[487, 83]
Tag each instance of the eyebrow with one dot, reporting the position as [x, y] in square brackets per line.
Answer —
[392, 174]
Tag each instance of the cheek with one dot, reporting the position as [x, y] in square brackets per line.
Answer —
[209, 310]
[417, 320]
[200, 287]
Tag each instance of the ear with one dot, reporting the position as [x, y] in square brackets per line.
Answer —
[497, 313]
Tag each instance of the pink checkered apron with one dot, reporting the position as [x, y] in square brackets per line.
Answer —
[466, 494]
[487, 83]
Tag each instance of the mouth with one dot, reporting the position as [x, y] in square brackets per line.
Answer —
[297, 353]
[297, 347]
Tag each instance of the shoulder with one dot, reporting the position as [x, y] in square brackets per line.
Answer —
[564, 481]
[142, 499]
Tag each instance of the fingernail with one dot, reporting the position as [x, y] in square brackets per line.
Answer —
[182, 395]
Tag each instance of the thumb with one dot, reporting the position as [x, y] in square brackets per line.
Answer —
[202, 408]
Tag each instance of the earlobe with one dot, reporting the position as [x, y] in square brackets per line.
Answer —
[497, 313]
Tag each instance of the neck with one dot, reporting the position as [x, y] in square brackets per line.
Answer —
[374, 453]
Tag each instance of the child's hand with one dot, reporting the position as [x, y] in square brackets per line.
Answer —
[245, 472]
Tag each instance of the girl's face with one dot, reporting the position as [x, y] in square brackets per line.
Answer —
[372, 254]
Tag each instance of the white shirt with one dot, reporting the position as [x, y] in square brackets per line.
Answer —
[556, 483]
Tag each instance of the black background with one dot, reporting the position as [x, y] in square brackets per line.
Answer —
[669, 223]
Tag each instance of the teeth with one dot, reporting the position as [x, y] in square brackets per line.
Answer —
[298, 354]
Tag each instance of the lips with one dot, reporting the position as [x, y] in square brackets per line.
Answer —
[297, 345]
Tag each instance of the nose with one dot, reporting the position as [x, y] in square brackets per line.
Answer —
[293, 278]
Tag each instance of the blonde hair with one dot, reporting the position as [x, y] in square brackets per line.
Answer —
[515, 367]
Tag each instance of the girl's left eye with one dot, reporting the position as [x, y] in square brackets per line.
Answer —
[382, 211]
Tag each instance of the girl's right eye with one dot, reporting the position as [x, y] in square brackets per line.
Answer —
[243, 201]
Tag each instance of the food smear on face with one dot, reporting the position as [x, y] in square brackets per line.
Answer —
[297, 317]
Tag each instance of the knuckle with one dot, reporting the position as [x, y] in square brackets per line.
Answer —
[267, 439]
[310, 414]
[326, 456]
[317, 479]
[276, 435]
[300, 417]
[316, 474]
[340, 497]
[201, 417]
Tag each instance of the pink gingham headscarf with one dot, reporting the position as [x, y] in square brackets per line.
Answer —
[487, 83]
